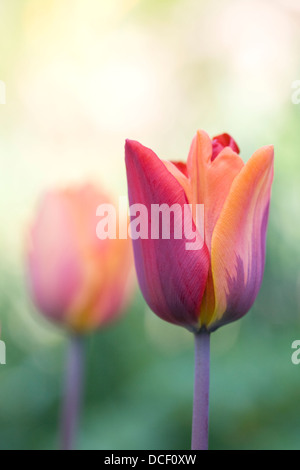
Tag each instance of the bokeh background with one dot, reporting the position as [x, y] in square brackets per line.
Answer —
[82, 76]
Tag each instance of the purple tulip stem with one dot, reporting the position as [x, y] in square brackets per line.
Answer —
[201, 391]
[72, 393]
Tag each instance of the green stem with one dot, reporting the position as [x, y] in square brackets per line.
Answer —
[201, 391]
[72, 393]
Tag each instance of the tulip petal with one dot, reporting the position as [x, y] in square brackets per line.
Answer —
[172, 279]
[105, 264]
[211, 180]
[219, 177]
[221, 141]
[54, 267]
[199, 157]
[238, 241]
[179, 171]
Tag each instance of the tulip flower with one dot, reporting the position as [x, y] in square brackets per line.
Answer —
[216, 284]
[76, 280]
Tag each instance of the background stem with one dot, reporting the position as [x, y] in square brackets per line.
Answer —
[72, 392]
[201, 391]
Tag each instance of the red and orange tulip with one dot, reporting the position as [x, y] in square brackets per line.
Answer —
[218, 283]
[76, 279]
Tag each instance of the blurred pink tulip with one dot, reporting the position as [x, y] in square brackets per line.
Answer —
[76, 279]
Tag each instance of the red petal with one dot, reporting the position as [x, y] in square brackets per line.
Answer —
[221, 141]
[172, 279]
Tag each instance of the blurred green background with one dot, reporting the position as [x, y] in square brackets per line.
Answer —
[81, 76]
